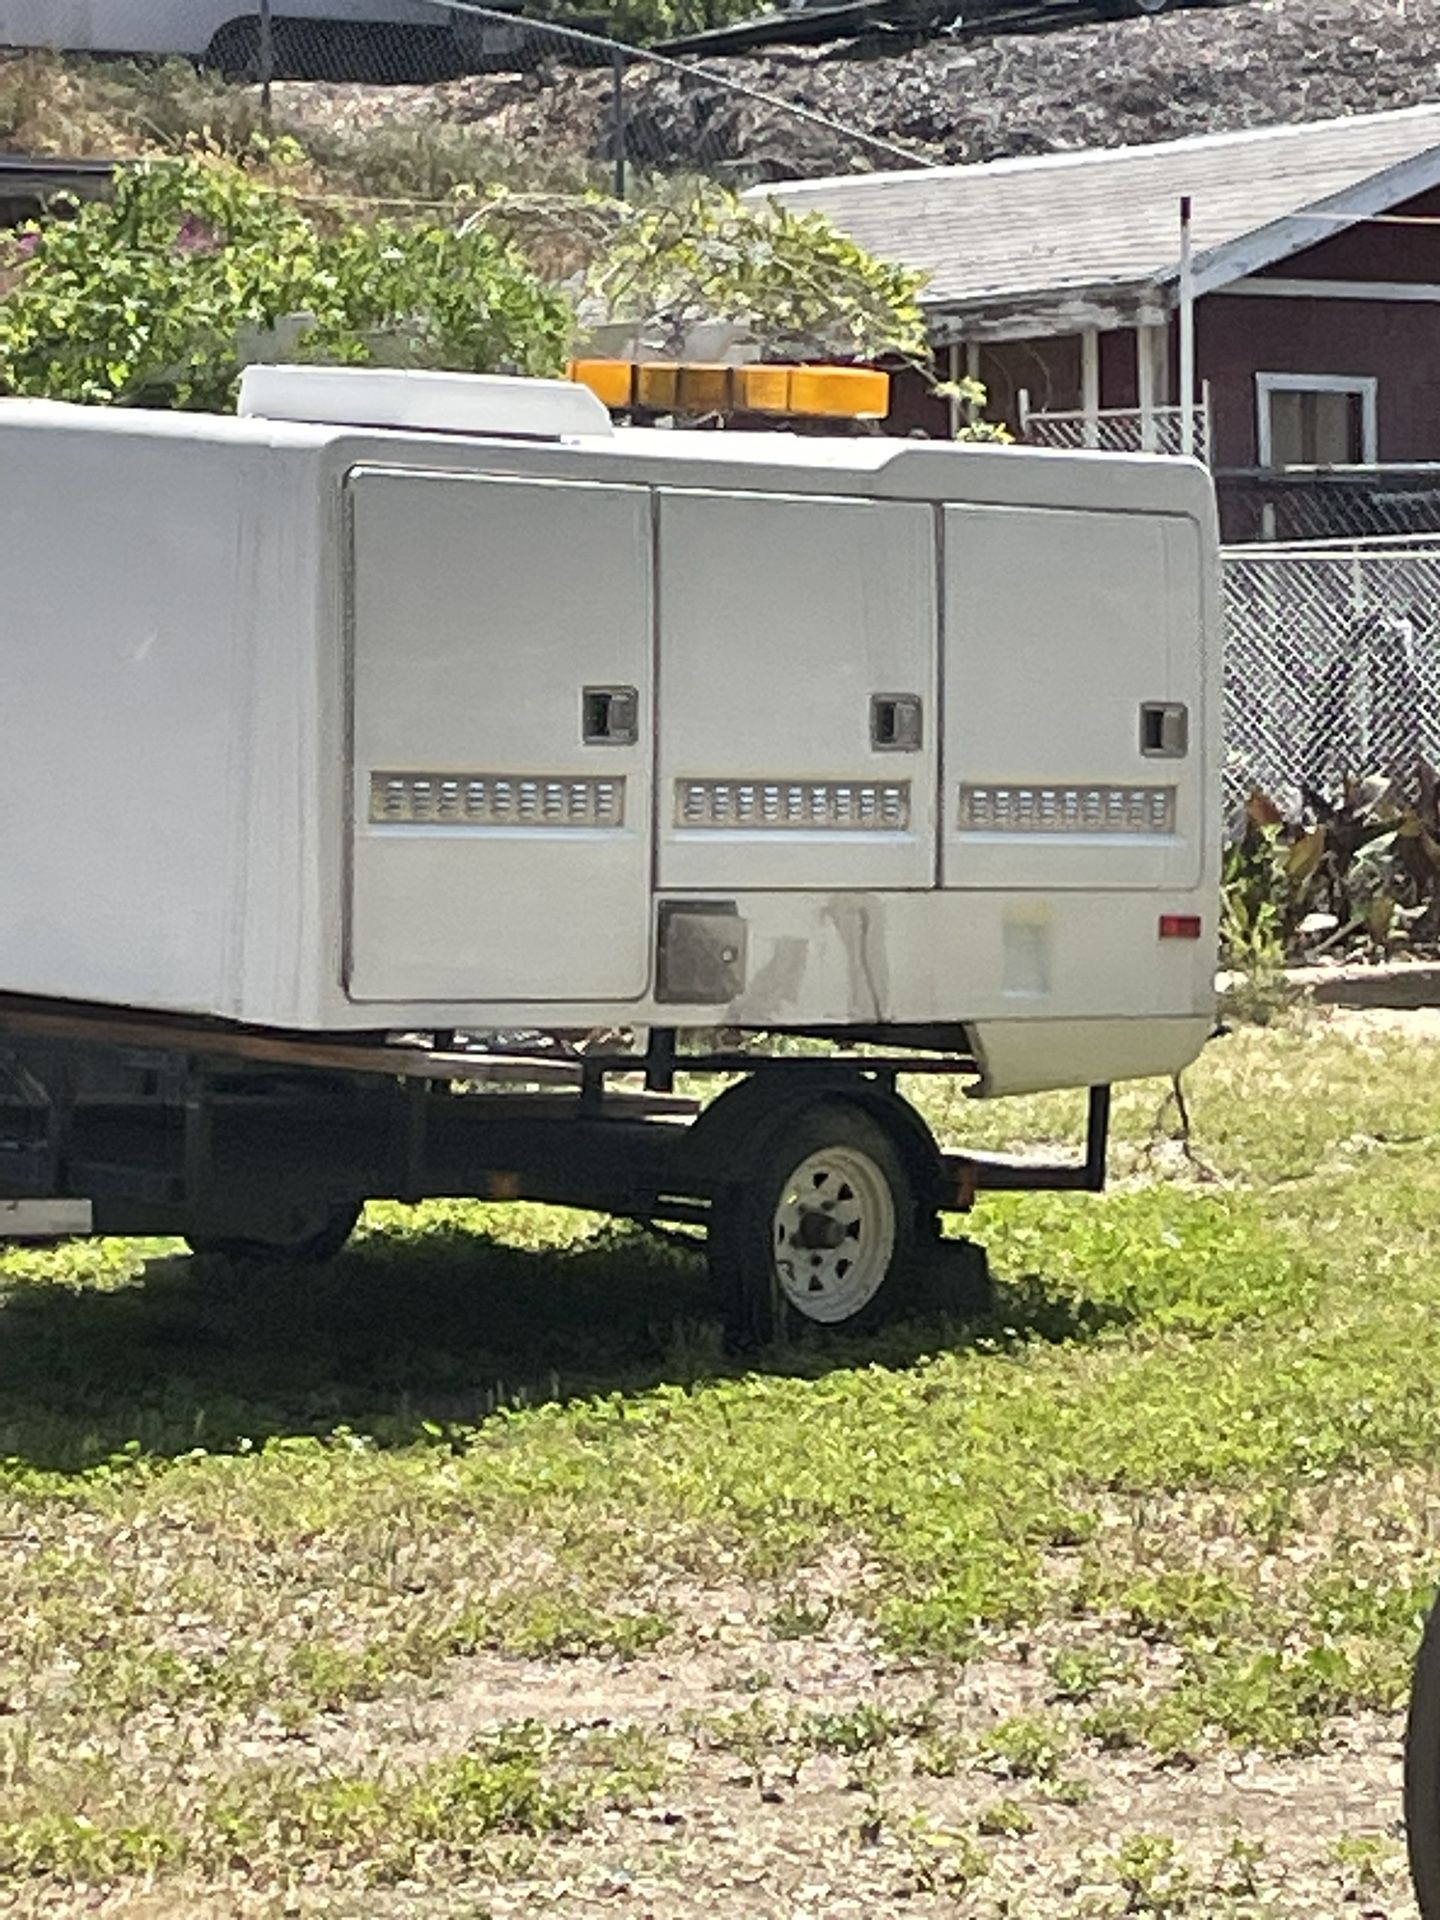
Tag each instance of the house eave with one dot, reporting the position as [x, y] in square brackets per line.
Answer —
[1294, 233]
[1045, 312]
[1036, 313]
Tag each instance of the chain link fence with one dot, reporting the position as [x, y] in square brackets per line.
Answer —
[1332, 666]
[542, 87]
[1328, 506]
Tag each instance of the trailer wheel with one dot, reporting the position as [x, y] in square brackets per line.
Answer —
[1422, 1772]
[825, 1232]
[307, 1238]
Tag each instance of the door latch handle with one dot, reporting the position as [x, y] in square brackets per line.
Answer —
[610, 716]
[1164, 730]
[896, 722]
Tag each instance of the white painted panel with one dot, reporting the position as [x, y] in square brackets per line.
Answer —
[1071, 953]
[179, 26]
[124, 689]
[780, 619]
[45, 1220]
[1059, 627]
[482, 608]
[1038, 1056]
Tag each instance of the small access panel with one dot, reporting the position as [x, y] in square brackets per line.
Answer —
[501, 758]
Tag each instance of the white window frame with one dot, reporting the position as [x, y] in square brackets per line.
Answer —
[1367, 385]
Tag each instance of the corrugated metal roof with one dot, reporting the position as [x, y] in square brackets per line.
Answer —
[1106, 217]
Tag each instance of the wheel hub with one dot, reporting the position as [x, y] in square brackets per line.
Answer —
[819, 1232]
[834, 1234]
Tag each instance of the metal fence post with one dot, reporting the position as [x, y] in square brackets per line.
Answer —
[1187, 332]
[617, 68]
[267, 60]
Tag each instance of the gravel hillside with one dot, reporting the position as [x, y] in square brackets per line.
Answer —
[1200, 70]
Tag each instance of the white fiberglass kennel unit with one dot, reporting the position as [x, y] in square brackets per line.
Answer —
[425, 702]
[426, 705]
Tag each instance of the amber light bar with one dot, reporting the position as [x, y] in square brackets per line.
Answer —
[663, 386]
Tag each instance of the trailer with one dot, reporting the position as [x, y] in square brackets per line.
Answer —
[373, 40]
[417, 785]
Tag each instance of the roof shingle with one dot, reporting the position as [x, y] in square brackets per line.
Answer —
[1106, 217]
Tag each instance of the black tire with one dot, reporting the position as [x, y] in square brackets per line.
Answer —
[1422, 1772]
[363, 54]
[859, 1202]
[311, 1244]
[234, 52]
[306, 50]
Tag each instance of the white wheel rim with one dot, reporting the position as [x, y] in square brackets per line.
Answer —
[833, 1235]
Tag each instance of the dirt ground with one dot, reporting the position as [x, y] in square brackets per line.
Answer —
[772, 1833]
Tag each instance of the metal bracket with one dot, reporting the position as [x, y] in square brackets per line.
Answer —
[701, 953]
[972, 1173]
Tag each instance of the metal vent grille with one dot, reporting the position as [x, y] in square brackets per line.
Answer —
[845, 806]
[1067, 810]
[495, 800]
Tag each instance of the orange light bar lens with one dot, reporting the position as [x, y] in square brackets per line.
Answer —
[840, 393]
[835, 393]
[703, 389]
[609, 380]
[763, 389]
[657, 385]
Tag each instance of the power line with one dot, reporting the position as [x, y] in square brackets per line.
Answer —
[623, 52]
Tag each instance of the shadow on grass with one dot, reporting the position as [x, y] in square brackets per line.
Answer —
[403, 1331]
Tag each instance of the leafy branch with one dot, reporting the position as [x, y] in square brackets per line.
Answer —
[160, 294]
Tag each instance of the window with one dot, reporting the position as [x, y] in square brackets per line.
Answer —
[1316, 420]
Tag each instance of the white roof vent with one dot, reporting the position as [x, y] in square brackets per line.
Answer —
[476, 403]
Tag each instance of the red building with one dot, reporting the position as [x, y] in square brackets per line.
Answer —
[1311, 304]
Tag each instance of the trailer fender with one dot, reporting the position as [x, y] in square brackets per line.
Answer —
[731, 1136]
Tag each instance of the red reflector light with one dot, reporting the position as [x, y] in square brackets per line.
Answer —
[1180, 926]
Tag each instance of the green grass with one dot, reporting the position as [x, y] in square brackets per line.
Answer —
[242, 1510]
